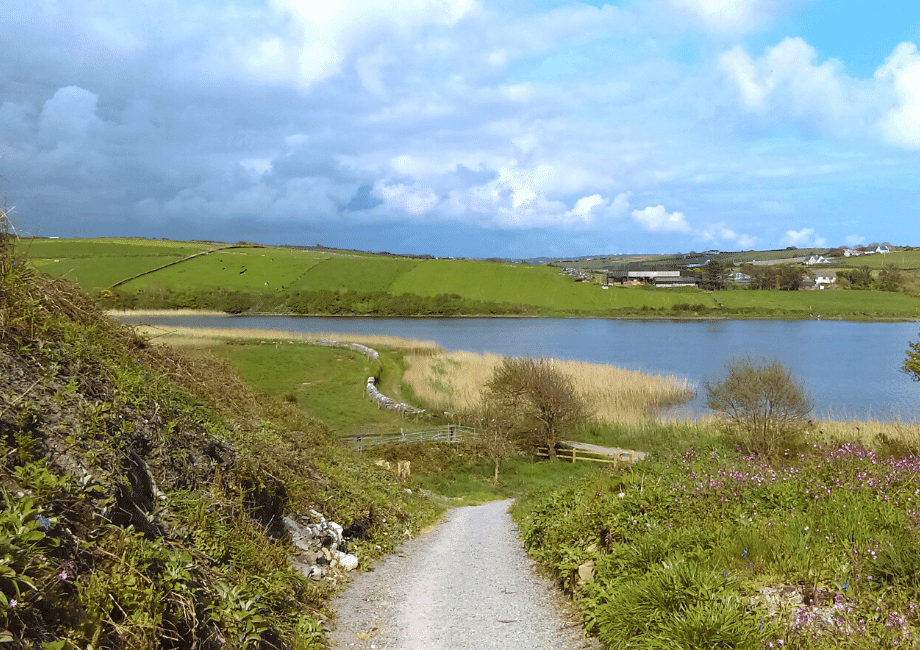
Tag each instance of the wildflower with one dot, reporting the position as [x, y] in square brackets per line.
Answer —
[43, 522]
[62, 576]
[744, 553]
[13, 603]
[750, 565]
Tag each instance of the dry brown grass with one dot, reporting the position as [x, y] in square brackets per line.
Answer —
[872, 433]
[453, 381]
[204, 336]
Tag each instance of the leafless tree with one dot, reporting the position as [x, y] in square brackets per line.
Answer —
[540, 398]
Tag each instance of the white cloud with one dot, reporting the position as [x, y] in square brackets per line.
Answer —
[657, 219]
[69, 115]
[734, 16]
[803, 238]
[788, 83]
[719, 232]
[413, 201]
[318, 37]
[902, 125]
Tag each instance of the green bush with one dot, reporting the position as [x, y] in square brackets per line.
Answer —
[764, 405]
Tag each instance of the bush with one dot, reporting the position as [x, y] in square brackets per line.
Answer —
[763, 404]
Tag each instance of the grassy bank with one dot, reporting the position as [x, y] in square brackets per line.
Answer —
[142, 490]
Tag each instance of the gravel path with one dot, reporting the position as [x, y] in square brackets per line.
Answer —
[465, 584]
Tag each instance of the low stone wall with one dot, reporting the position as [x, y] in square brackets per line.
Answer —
[378, 398]
[384, 402]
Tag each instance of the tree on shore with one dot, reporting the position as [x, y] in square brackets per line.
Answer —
[911, 364]
[540, 399]
[763, 404]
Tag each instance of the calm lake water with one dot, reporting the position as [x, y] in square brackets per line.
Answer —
[850, 369]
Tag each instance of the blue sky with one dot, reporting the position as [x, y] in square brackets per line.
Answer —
[465, 127]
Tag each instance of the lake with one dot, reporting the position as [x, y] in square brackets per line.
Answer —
[850, 369]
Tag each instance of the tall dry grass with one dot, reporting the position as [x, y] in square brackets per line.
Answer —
[453, 382]
[191, 336]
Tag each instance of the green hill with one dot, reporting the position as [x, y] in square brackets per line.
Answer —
[241, 278]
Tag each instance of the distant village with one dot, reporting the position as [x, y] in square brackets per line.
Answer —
[779, 269]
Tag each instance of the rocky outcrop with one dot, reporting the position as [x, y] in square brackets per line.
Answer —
[320, 546]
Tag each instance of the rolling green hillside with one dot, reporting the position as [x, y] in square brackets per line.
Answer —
[250, 278]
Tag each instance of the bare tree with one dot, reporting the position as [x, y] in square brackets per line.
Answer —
[763, 403]
[541, 398]
[495, 439]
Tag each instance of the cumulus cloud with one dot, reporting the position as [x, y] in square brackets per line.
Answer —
[728, 237]
[788, 83]
[317, 38]
[411, 200]
[901, 126]
[657, 219]
[803, 238]
[734, 16]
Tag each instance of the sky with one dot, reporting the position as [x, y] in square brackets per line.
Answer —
[464, 128]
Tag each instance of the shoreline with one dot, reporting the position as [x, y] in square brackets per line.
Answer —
[165, 313]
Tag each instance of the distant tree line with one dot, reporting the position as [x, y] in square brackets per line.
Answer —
[781, 277]
[323, 301]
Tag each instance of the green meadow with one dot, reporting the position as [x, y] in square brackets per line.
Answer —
[248, 278]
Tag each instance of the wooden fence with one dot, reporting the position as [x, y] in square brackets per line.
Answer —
[452, 433]
[574, 455]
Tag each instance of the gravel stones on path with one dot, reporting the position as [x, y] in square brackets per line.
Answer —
[466, 584]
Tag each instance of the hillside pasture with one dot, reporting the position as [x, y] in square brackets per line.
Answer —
[904, 260]
[97, 264]
[345, 272]
[244, 269]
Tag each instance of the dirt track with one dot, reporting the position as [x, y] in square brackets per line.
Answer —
[465, 584]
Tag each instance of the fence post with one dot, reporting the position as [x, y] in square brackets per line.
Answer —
[403, 433]
[360, 446]
[573, 454]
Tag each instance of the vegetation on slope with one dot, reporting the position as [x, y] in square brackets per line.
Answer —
[142, 491]
[249, 278]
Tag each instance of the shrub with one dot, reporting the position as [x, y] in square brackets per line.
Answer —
[763, 404]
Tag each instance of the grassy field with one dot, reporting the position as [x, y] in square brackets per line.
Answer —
[99, 263]
[268, 278]
[904, 260]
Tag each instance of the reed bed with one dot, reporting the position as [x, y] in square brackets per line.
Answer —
[209, 335]
[453, 381]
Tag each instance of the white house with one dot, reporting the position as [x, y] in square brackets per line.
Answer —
[816, 259]
[824, 279]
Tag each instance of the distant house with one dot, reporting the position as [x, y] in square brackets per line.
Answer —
[816, 259]
[883, 251]
[851, 252]
[739, 278]
[824, 279]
